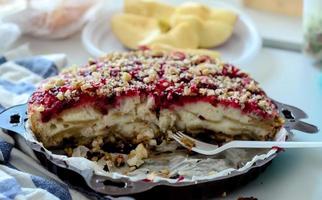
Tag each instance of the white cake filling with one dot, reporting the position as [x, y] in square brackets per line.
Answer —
[134, 120]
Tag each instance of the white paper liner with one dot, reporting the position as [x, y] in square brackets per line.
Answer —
[192, 167]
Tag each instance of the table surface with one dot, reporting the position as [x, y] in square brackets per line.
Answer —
[289, 77]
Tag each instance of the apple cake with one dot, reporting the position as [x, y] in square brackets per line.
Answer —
[140, 97]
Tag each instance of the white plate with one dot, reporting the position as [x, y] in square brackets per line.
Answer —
[244, 44]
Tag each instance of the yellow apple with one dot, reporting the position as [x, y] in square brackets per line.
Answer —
[132, 29]
[148, 8]
[193, 8]
[223, 15]
[181, 36]
[214, 33]
[164, 47]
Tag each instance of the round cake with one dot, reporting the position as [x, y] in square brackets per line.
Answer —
[139, 97]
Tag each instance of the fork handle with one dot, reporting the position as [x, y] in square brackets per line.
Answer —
[260, 144]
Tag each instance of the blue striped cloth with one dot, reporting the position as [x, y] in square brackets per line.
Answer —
[21, 175]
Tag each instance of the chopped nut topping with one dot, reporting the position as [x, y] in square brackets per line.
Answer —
[164, 75]
[136, 156]
[40, 108]
[59, 82]
[48, 86]
[126, 77]
[60, 96]
[69, 151]
[119, 161]
[263, 104]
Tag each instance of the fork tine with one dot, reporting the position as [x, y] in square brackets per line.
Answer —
[178, 139]
[197, 142]
[182, 135]
[297, 112]
[201, 147]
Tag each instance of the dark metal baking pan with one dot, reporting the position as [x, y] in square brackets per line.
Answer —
[14, 119]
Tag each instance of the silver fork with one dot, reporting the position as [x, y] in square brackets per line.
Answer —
[293, 118]
[210, 149]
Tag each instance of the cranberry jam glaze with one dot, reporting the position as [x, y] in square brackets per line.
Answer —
[172, 79]
[141, 97]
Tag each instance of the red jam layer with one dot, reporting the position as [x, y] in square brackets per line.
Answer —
[121, 75]
[103, 104]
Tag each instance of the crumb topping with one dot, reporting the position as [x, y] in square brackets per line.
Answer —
[171, 78]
